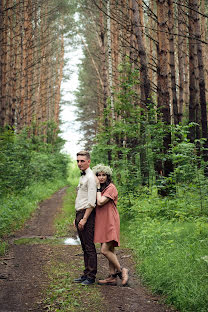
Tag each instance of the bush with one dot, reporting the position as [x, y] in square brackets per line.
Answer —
[17, 208]
[24, 160]
[169, 240]
[173, 260]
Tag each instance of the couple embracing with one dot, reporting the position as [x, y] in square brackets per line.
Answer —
[97, 221]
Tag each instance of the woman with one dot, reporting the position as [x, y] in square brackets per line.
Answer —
[107, 224]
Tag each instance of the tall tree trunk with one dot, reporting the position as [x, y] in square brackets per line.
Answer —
[4, 61]
[193, 74]
[202, 91]
[145, 83]
[115, 43]
[30, 67]
[24, 81]
[181, 59]
[60, 76]
[163, 81]
[103, 64]
[1, 64]
[172, 61]
[42, 101]
[18, 60]
[110, 65]
[204, 47]
[163, 89]
[151, 34]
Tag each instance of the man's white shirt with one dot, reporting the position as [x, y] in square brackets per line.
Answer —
[86, 191]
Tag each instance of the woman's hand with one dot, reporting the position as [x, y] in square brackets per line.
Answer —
[97, 182]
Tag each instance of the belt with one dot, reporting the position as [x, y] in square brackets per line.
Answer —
[80, 210]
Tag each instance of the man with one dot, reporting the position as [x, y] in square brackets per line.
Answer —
[85, 217]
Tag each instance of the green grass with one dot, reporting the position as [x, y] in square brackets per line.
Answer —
[63, 295]
[67, 216]
[3, 247]
[171, 256]
[16, 209]
[38, 240]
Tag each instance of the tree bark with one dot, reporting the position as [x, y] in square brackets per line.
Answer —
[172, 62]
[193, 75]
[163, 81]
[110, 65]
[181, 59]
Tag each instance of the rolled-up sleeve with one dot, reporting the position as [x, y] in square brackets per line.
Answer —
[92, 192]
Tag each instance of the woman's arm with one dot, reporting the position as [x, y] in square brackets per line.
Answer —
[101, 200]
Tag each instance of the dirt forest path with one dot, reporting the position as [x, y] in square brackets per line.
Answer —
[23, 277]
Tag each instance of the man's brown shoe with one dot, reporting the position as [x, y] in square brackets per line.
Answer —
[110, 280]
[125, 276]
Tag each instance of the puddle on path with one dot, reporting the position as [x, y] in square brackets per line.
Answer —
[47, 240]
[72, 241]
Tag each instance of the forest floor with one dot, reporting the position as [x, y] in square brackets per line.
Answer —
[25, 278]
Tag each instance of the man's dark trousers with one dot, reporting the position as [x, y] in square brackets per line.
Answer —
[87, 241]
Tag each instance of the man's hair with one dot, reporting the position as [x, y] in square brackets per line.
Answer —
[84, 153]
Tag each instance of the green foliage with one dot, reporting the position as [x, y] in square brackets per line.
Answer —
[73, 173]
[63, 295]
[133, 144]
[3, 247]
[15, 157]
[31, 168]
[163, 212]
[86, 99]
[17, 208]
[169, 239]
[68, 212]
[25, 158]
[172, 258]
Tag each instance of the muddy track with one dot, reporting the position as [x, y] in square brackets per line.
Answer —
[23, 278]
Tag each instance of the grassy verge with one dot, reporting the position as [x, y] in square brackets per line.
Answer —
[66, 218]
[15, 209]
[65, 296]
[171, 254]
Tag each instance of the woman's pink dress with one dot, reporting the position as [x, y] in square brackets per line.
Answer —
[107, 221]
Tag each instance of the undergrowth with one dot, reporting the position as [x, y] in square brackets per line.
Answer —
[17, 208]
[169, 237]
[66, 218]
[63, 295]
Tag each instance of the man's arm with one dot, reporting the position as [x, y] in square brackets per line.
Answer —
[92, 190]
[84, 219]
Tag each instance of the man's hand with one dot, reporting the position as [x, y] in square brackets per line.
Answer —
[82, 224]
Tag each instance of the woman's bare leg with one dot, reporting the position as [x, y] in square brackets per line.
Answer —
[107, 249]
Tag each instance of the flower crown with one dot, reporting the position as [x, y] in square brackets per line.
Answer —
[102, 168]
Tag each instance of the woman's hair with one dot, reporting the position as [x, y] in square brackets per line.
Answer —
[107, 182]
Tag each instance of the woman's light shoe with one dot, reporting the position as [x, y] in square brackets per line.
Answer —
[125, 276]
[110, 280]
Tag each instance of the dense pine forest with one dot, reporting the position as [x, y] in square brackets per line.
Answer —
[142, 105]
[33, 38]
